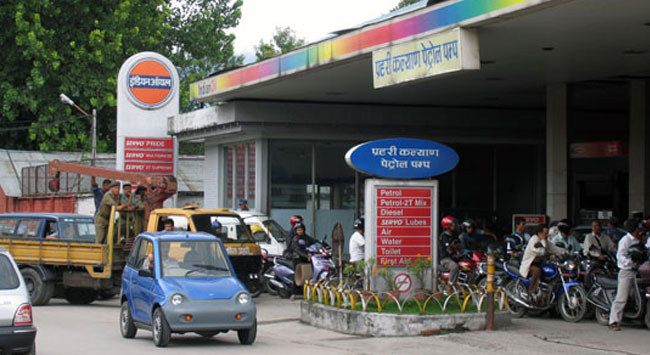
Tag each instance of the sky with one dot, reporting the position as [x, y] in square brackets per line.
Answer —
[310, 19]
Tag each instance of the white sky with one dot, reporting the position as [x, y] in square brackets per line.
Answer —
[310, 19]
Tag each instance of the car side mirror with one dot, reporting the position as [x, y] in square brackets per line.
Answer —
[145, 273]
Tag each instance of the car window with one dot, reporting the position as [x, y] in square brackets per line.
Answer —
[276, 230]
[8, 277]
[133, 253]
[233, 228]
[193, 258]
[78, 229]
[180, 223]
[28, 228]
[258, 231]
[142, 260]
[7, 227]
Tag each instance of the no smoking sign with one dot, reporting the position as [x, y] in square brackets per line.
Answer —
[403, 282]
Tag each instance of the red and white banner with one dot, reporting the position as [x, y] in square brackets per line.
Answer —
[149, 155]
[403, 224]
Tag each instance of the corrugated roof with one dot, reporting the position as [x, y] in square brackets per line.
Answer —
[12, 162]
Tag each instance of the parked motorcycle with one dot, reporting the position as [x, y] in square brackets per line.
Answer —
[603, 293]
[280, 277]
[556, 289]
[468, 268]
[593, 267]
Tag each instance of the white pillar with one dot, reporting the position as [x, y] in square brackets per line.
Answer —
[213, 178]
[262, 176]
[556, 151]
[639, 147]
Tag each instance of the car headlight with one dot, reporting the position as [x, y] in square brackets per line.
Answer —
[177, 299]
[243, 298]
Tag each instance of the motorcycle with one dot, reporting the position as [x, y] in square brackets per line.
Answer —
[556, 289]
[592, 267]
[603, 293]
[467, 268]
[280, 278]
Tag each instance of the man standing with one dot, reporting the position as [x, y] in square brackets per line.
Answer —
[110, 199]
[357, 242]
[627, 271]
[597, 243]
[98, 193]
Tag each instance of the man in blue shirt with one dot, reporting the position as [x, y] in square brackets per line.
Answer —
[97, 192]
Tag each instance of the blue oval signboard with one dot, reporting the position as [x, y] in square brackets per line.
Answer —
[402, 158]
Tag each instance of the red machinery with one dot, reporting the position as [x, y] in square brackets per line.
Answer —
[158, 187]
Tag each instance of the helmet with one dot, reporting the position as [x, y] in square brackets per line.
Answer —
[466, 224]
[299, 225]
[448, 222]
[216, 224]
[295, 219]
[564, 227]
[358, 223]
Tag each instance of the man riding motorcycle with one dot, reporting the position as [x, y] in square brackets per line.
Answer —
[515, 242]
[449, 250]
[531, 264]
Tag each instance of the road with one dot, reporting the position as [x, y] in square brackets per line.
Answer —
[64, 329]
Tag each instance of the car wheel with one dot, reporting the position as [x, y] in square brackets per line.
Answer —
[160, 329]
[247, 336]
[40, 291]
[207, 334]
[127, 327]
[77, 295]
[573, 304]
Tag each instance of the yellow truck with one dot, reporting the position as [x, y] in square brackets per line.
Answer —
[245, 254]
[59, 257]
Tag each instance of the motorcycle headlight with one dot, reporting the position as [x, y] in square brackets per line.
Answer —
[243, 298]
[177, 299]
[570, 265]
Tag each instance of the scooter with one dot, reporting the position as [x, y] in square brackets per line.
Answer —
[603, 293]
[556, 289]
[467, 266]
[281, 276]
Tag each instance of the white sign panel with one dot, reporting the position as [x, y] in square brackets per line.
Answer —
[441, 53]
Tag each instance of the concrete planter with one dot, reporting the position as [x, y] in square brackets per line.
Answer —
[388, 324]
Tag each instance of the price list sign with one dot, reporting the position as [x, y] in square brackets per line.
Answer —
[403, 224]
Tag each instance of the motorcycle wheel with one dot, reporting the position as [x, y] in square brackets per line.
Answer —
[269, 288]
[602, 316]
[646, 319]
[578, 297]
[284, 293]
[517, 310]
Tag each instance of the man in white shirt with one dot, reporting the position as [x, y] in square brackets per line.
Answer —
[597, 243]
[627, 271]
[357, 242]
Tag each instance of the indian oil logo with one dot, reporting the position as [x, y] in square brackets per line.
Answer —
[150, 83]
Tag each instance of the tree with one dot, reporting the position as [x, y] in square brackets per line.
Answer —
[284, 40]
[77, 47]
[404, 3]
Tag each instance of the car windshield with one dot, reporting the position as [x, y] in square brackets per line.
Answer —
[8, 277]
[276, 230]
[82, 229]
[233, 228]
[193, 258]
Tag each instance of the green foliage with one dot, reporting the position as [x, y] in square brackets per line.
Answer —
[419, 267]
[404, 3]
[284, 40]
[77, 47]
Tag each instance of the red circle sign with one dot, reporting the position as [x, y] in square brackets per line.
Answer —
[150, 83]
[403, 282]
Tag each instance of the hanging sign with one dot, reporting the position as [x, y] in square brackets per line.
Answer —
[402, 158]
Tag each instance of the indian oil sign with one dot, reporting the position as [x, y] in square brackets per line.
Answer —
[150, 84]
[402, 158]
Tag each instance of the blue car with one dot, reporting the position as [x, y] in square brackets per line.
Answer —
[179, 282]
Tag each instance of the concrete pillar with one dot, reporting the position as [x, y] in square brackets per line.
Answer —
[639, 146]
[213, 180]
[556, 151]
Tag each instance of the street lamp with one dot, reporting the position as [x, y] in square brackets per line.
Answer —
[68, 101]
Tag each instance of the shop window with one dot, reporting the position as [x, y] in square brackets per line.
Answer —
[239, 173]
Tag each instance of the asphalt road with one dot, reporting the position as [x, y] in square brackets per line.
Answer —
[93, 329]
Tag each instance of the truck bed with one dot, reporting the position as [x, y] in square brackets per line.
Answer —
[56, 252]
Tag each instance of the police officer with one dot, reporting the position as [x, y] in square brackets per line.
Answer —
[111, 198]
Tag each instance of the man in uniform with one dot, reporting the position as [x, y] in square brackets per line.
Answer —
[111, 198]
[98, 193]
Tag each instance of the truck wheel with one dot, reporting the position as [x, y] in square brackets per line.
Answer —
[247, 336]
[40, 291]
[77, 295]
[160, 329]
[127, 327]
